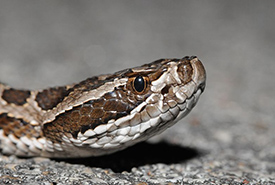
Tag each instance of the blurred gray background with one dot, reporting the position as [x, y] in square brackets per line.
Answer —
[49, 43]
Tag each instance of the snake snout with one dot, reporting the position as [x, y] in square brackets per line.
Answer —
[199, 74]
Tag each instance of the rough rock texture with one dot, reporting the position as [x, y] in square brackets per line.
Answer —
[228, 138]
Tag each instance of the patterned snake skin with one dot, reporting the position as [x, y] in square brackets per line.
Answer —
[102, 114]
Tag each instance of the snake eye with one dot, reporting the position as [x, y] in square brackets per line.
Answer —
[139, 84]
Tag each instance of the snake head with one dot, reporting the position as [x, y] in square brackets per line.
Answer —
[166, 90]
[153, 98]
[107, 113]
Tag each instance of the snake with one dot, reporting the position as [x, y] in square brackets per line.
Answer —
[102, 114]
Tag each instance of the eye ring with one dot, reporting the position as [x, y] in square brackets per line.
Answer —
[139, 84]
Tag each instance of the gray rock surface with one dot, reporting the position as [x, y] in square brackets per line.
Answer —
[229, 137]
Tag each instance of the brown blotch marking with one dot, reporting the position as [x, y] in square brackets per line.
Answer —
[87, 116]
[108, 116]
[49, 98]
[94, 82]
[89, 84]
[98, 103]
[116, 105]
[185, 70]
[17, 97]
[85, 110]
[97, 113]
[18, 127]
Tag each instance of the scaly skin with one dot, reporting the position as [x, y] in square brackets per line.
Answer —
[102, 114]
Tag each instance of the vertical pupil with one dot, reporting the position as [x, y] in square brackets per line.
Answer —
[139, 84]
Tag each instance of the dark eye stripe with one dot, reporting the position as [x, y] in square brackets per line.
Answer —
[139, 84]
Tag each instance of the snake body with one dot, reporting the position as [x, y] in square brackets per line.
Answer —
[102, 114]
